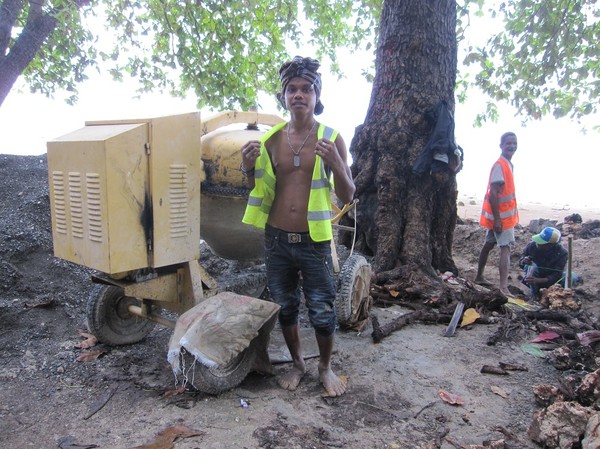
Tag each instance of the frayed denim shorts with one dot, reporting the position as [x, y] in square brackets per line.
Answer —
[295, 265]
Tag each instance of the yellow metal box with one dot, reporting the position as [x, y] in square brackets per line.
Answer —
[125, 194]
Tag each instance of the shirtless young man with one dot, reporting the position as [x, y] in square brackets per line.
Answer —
[290, 172]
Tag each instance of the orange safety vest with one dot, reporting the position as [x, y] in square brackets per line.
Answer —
[507, 201]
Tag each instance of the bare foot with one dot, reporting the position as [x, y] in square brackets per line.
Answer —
[482, 281]
[291, 379]
[334, 386]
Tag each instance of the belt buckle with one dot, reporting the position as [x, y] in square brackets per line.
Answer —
[294, 238]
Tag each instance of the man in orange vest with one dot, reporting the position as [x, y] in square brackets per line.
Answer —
[499, 213]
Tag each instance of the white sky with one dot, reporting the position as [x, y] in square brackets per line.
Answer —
[554, 165]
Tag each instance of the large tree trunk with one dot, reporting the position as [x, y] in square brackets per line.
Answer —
[38, 27]
[404, 220]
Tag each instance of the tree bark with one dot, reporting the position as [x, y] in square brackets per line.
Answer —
[37, 29]
[405, 219]
[16, 55]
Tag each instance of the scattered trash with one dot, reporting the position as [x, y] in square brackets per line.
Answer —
[450, 278]
[533, 349]
[243, 404]
[546, 336]
[521, 303]
[454, 321]
[588, 337]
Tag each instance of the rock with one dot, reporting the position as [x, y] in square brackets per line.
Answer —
[546, 394]
[561, 425]
[535, 226]
[588, 391]
[592, 433]
[573, 218]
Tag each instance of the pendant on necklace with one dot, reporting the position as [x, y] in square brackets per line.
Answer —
[297, 160]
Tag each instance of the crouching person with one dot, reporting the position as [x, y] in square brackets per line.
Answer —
[543, 261]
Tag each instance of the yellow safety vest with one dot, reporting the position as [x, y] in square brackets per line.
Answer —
[319, 200]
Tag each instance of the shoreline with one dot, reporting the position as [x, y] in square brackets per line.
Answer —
[469, 208]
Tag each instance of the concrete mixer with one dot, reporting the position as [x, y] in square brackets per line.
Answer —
[132, 199]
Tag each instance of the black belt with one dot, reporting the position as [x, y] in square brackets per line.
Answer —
[290, 237]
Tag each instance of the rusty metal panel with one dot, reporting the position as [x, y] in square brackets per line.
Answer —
[175, 167]
[98, 190]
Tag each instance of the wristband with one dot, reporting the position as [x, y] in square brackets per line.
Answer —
[246, 173]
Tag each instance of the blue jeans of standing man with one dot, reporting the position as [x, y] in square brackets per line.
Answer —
[297, 264]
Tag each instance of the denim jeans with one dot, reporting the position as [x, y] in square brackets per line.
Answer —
[305, 266]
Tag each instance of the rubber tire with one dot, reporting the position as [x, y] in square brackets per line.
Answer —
[351, 287]
[218, 380]
[110, 321]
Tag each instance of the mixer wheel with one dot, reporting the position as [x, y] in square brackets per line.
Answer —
[220, 379]
[110, 320]
[353, 290]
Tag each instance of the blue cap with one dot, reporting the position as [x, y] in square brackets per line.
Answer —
[548, 235]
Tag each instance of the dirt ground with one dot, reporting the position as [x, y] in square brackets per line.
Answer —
[49, 399]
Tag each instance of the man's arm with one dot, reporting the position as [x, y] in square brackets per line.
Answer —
[495, 190]
[526, 257]
[250, 152]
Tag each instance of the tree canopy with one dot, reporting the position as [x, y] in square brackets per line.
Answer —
[543, 61]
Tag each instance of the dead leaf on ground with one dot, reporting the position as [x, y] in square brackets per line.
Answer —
[90, 340]
[499, 391]
[165, 438]
[174, 392]
[90, 356]
[450, 398]
[469, 317]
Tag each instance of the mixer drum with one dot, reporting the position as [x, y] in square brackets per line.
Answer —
[224, 193]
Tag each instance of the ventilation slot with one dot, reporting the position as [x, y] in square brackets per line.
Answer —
[178, 200]
[76, 204]
[94, 211]
[60, 213]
